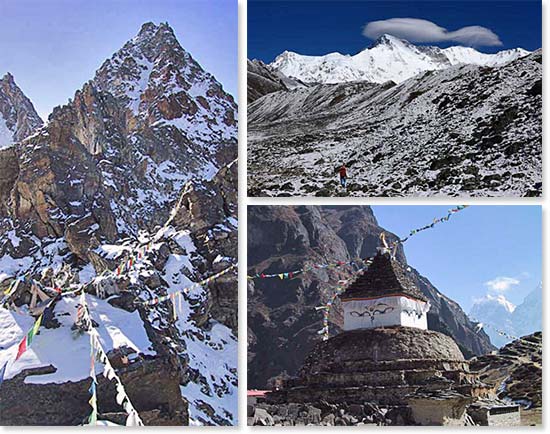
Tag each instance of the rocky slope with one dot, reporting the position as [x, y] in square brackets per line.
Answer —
[18, 118]
[515, 370]
[263, 79]
[144, 155]
[388, 58]
[462, 131]
[282, 320]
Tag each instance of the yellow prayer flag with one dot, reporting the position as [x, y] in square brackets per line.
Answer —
[37, 325]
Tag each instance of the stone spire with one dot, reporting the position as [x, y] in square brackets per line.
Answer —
[384, 277]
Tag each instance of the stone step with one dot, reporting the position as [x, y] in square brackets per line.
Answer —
[381, 395]
[405, 364]
[387, 378]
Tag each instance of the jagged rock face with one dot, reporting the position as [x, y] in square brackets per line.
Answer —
[10, 165]
[515, 371]
[150, 107]
[109, 175]
[359, 229]
[210, 213]
[463, 131]
[282, 320]
[160, 82]
[18, 118]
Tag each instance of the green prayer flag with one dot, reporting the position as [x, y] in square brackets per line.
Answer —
[30, 335]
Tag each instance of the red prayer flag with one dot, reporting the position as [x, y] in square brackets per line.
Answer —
[22, 348]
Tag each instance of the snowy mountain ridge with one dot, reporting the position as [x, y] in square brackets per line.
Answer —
[496, 301]
[500, 314]
[388, 59]
[465, 130]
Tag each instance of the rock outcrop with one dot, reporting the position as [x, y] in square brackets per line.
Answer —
[210, 212]
[151, 385]
[261, 80]
[18, 118]
[515, 370]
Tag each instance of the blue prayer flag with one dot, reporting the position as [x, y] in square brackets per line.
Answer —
[2, 372]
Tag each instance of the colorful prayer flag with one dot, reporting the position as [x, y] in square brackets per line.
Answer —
[22, 348]
[2, 372]
[37, 325]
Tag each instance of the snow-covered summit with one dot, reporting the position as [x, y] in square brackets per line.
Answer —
[160, 81]
[18, 118]
[494, 303]
[388, 58]
[499, 314]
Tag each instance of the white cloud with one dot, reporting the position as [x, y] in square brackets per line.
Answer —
[501, 284]
[417, 30]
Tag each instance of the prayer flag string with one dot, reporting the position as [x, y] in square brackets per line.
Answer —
[98, 353]
[391, 249]
[480, 326]
[171, 296]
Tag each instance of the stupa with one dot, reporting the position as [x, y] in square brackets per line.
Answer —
[387, 356]
[383, 297]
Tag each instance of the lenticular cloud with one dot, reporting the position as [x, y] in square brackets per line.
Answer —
[417, 30]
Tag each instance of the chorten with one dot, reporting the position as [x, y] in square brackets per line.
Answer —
[384, 296]
[387, 356]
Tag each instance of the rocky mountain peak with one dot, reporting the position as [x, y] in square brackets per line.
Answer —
[149, 28]
[159, 82]
[118, 175]
[8, 78]
[388, 58]
[150, 106]
[18, 117]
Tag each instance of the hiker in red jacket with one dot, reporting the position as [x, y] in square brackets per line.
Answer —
[343, 175]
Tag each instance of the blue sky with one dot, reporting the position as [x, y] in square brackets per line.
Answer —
[321, 27]
[53, 47]
[477, 245]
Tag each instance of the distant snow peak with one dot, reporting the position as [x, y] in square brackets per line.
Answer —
[388, 40]
[499, 300]
[388, 58]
